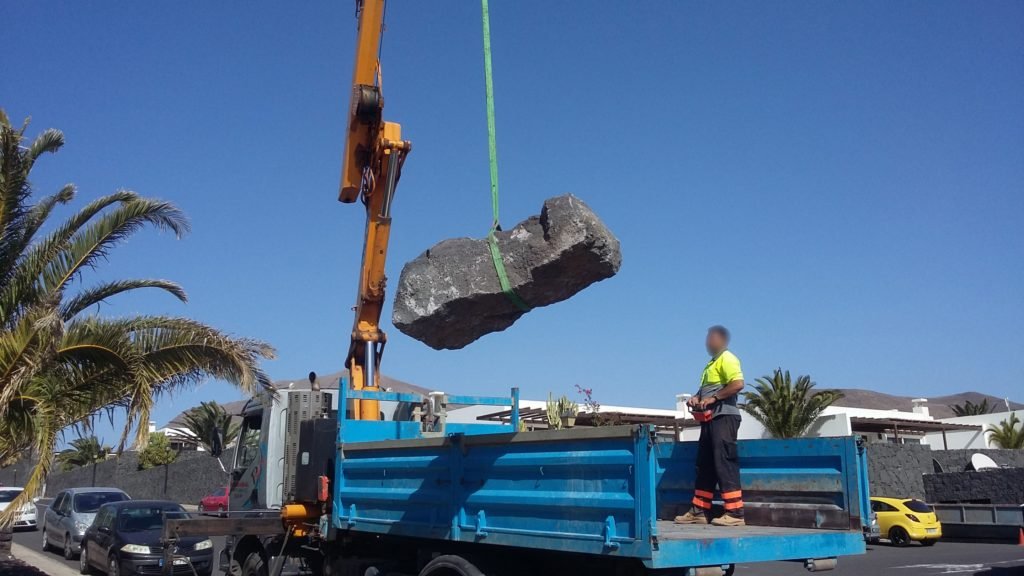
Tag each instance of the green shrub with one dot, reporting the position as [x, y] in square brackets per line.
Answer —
[157, 452]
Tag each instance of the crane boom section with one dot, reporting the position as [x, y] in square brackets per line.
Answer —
[371, 167]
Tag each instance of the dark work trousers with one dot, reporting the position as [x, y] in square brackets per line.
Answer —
[718, 465]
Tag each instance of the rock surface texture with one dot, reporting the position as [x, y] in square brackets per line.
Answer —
[450, 295]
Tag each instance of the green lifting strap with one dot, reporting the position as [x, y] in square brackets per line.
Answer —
[492, 152]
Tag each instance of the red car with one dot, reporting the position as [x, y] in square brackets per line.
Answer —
[216, 502]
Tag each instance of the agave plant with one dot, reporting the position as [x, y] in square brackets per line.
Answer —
[787, 409]
[61, 364]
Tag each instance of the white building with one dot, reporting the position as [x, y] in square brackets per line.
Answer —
[884, 426]
[179, 438]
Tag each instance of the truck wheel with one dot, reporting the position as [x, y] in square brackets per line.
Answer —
[254, 565]
[450, 566]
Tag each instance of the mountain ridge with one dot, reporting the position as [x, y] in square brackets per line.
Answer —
[938, 406]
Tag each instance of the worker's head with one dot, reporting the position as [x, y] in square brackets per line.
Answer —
[717, 340]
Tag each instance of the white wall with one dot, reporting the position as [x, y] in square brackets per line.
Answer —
[970, 439]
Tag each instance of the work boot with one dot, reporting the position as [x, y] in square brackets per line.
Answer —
[692, 517]
[727, 520]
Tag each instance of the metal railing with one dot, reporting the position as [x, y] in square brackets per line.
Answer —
[1007, 514]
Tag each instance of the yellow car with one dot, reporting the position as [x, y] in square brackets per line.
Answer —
[904, 520]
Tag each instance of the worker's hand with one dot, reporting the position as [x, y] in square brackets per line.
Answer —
[707, 402]
[693, 402]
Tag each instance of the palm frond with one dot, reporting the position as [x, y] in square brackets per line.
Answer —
[93, 243]
[98, 294]
[23, 350]
[48, 141]
[23, 287]
[1006, 434]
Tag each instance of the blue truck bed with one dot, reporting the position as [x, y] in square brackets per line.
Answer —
[608, 491]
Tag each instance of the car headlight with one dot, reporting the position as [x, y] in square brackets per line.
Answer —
[135, 549]
[204, 545]
[81, 526]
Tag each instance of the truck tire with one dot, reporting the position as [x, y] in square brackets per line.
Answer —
[254, 565]
[450, 566]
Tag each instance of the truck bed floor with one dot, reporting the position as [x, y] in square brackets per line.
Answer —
[668, 530]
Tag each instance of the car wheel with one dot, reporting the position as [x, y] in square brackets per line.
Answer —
[201, 508]
[83, 561]
[69, 551]
[220, 511]
[928, 542]
[254, 565]
[113, 567]
[899, 537]
[46, 540]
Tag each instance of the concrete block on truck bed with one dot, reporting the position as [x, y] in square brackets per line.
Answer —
[450, 295]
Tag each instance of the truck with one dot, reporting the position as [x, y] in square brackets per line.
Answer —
[315, 491]
[361, 481]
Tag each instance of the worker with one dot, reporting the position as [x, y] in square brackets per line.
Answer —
[714, 406]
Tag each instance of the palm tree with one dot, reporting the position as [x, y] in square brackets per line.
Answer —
[206, 419]
[61, 364]
[969, 408]
[1006, 434]
[785, 409]
[83, 450]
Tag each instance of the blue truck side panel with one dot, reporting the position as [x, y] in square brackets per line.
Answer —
[594, 491]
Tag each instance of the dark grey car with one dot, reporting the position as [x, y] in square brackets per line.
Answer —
[71, 513]
[124, 540]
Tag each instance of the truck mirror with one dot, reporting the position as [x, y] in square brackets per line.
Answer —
[216, 442]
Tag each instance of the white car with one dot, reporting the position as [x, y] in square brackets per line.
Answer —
[26, 518]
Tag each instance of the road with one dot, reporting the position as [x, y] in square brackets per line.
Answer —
[881, 560]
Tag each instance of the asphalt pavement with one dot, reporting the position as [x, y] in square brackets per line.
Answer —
[881, 560]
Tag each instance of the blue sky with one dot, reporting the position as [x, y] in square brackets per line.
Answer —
[839, 183]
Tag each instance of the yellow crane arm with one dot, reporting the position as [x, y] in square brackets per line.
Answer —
[371, 167]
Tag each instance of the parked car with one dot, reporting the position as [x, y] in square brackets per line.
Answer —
[124, 540]
[71, 512]
[904, 520]
[26, 517]
[215, 502]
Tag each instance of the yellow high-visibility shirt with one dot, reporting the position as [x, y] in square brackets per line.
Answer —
[719, 371]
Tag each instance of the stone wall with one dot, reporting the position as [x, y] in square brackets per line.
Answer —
[999, 486]
[907, 471]
[186, 480]
[958, 460]
[896, 470]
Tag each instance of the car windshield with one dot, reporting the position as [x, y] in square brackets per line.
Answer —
[6, 496]
[917, 506]
[147, 518]
[90, 502]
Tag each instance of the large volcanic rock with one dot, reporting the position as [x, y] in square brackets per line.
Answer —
[450, 295]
